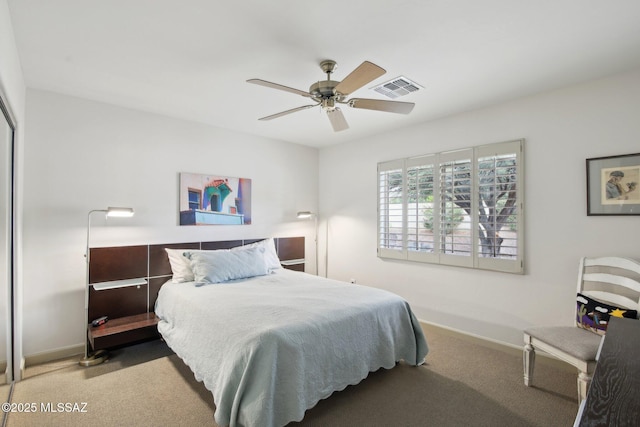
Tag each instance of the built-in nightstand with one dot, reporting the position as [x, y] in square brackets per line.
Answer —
[125, 303]
[123, 330]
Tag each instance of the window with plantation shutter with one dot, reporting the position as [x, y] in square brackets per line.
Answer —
[460, 208]
[391, 209]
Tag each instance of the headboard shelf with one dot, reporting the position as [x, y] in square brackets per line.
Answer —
[113, 284]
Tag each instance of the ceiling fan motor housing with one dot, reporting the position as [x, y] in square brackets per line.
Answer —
[324, 89]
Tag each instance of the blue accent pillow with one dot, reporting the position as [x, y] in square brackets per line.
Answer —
[219, 266]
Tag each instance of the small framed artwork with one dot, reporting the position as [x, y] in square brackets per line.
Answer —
[613, 185]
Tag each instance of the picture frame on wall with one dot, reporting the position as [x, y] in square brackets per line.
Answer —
[210, 199]
[613, 185]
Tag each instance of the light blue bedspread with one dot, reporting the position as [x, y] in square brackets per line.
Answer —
[271, 347]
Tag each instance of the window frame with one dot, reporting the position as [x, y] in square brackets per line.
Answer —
[436, 161]
[198, 192]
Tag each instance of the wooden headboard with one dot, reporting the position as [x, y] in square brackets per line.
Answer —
[152, 263]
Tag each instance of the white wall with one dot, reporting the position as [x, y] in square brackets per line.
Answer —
[82, 155]
[562, 129]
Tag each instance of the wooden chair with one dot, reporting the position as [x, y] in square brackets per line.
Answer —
[611, 280]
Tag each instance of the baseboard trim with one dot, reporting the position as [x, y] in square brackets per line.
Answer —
[50, 356]
[509, 348]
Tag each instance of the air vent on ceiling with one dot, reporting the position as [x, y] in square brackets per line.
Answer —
[397, 87]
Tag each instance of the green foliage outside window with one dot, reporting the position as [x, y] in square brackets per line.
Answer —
[451, 219]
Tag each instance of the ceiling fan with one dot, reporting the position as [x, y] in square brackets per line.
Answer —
[328, 93]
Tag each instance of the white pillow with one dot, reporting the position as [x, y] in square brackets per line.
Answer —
[180, 265]
[223, 265]
[270, 254]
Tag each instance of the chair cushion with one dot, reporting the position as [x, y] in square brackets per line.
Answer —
[572, 340]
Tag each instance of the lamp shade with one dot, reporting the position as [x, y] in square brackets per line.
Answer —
[304, 214]
[119, 212]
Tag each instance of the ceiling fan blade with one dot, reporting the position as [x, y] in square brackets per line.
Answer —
[284, 113]
[381, 105]
[337, 120]
[277, 86]
[365, 73]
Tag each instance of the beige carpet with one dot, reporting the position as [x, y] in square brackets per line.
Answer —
[462, 384]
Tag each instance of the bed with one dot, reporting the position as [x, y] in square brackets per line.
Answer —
[270, 346]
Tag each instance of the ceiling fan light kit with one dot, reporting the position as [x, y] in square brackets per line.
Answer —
[327, 93]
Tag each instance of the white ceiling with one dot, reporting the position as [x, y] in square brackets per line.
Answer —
[191, 58]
